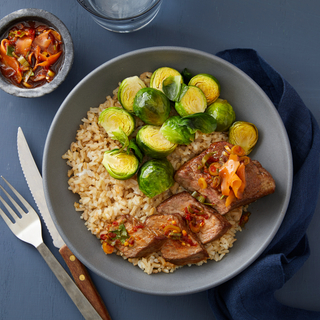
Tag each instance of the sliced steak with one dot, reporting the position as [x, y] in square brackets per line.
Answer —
[182, 249]
[214, 224]
[142, 241]
[259, 181]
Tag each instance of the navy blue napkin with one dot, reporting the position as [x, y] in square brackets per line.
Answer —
[250, 295]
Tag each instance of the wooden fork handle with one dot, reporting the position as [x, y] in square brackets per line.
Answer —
[83, 280]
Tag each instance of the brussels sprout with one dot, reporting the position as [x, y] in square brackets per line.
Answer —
[112, 118]
[128, 90]
[171, 87]
[120, 165]
[173, 131]
[243, 134]
[155, 176]
[151, 106]
[223, 112]
[192, 100]
[152, 142]
[208, 84]
[160, 74]
[199, 122]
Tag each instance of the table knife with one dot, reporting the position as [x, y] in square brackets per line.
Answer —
[77, 269]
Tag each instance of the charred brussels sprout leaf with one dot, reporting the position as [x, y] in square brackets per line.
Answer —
[156, 80]
[223, 112]
[151, 106]
[186, 75]
[243, 134]
[155, 176]
[152, 142]
[192, 100]
[171, 87]
[128, 90]
[209, 85]
[173, 131]
[120, 165]
[199, 122]
[112, 118]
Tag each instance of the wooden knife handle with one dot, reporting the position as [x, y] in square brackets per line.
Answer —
[84, 282]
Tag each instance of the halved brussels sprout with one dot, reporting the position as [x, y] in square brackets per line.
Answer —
[112, 118]
[171, 87]
[223, 112]
[199, 122]
[120, 165]
[151, 106]
[155, 176]
[160, 74]
[152, 142]
[243, 134]
[128, 90]
[173, 131]
[192, 100]
[208, 84]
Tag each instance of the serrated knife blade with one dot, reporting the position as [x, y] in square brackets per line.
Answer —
[77, 269]
[34, 181]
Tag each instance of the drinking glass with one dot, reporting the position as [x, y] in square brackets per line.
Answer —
[122, 16]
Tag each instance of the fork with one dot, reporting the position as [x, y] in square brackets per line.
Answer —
[28, 229]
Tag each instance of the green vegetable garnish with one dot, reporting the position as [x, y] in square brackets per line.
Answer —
[121, 233]
[10, 50]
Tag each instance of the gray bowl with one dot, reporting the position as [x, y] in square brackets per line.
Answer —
[250, 104]
[51, 20]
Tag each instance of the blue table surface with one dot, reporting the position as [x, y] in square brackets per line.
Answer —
[285, 33]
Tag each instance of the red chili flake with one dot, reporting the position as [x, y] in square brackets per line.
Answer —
[115, 223]
[104, 236]
[112, 235]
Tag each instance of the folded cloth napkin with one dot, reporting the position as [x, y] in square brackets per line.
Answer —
[250, 295]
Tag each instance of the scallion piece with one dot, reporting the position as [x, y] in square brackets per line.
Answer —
[23, 62]
[195, 194]
[10, 50]
[201, 199]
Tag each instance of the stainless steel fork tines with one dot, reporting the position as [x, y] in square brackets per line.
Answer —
[28, 229]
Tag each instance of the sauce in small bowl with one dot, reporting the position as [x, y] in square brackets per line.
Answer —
[36, 53]
[30, 54]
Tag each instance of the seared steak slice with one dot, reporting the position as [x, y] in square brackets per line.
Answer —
[259, 181]
[214, 224]
[182, 249]
[142, 241]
